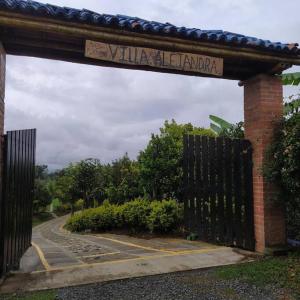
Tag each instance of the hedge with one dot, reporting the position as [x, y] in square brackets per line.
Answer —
[137, 215]
[283, 168]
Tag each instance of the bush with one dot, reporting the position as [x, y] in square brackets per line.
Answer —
[79, 204]
[283, 168]
[136, 215]
[80, 221]
[62, 209]
[165, 216]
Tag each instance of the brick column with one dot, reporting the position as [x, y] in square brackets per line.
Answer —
[263, 109]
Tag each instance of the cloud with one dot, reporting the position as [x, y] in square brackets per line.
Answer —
[85, 111]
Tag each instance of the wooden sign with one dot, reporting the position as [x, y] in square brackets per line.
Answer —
[139, 56]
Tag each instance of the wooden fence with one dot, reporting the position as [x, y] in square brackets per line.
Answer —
[218, 200]
[17, 197]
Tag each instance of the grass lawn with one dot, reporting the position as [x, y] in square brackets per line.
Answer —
[45, 295]
[282, 272]
[41, 218]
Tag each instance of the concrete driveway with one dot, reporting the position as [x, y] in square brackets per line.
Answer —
[59, 258]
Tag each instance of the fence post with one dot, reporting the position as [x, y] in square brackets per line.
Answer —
[2, 95]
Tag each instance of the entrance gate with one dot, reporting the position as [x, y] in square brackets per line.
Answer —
[17, 197]
[218, 202]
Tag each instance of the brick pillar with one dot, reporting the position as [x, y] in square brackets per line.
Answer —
[263, 109]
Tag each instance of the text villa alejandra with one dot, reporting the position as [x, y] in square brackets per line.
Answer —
[155, 58]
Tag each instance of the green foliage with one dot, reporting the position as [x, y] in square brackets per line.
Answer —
[224, 128]
[164, 216]
[292, 105]
[79, 204]
[156, 174]
[42, 196]
[283, 167]
[283, 272]
[161, 162]
[221, 123]
[87, 180]
[43, 295]
[291, 78]
[40, 218]
[137, 215]
[123, 177]
[65, 188]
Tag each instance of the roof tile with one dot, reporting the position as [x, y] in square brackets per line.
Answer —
[141, 25]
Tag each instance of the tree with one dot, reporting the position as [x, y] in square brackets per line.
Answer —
[65, 189]
[42, 196]
[161, 162]
[88, 183]
[124, 180]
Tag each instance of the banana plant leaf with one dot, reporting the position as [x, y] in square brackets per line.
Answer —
[222, 123]
[215, 128]
[291, 78]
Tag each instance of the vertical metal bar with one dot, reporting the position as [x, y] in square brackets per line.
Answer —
[32, 177]
[22, 195]
[185, 181]
[228, 191]
[26, 192]
[17, 211]
[212, 187]
[199, 187]
[26, 164]
[2, 209]
[7, 185]
[205, 168]
[237, 193]
[220, 189]
[191, 155]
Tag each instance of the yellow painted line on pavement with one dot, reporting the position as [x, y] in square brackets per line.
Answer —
[200, 251]
[134, 245]
[41, 256]
[99, 255]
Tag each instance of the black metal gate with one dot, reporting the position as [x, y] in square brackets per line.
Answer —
[17, 197]
[218, 199]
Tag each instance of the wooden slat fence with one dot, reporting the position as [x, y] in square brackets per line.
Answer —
[218, 202]
[17, 197]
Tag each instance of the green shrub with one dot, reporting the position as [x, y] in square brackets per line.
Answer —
[80, 221]
[135, 214]
[62, 209]
[119, 221]
[79, 204]
[165, 216]
[102, 218]
[283, 168]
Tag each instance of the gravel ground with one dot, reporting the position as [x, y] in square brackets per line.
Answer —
[197, 284]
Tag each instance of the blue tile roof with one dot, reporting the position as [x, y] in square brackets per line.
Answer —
[144, 26]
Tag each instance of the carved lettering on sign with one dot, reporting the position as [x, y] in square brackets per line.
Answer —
[139, 56]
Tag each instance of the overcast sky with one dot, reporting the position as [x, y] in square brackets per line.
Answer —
[84, 111]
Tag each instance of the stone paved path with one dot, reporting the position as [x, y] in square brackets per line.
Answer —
[59, 258]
